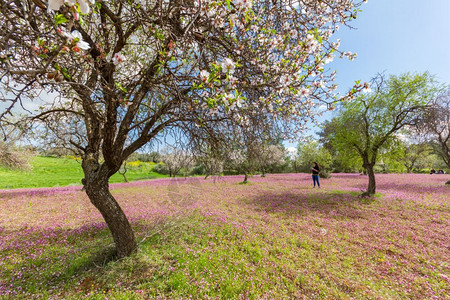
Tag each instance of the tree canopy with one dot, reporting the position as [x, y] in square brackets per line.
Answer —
[369, 123]
[435, 125]
[112, 75]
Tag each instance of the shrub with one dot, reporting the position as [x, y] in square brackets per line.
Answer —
[161, 168]
[324, 174]
[198, 170]
[13, 158]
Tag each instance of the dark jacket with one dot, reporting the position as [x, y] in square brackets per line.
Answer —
[315, 170]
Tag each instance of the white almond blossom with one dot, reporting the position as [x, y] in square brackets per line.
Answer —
[228, 66]
[305, 91]
[204, 76]
[243, 4]
[228, 98]
[117, 58]
[84, 4]
[76, 36]
[294, 33]
[285, 80]
[328, 59]
[366, 88]
[54, 4]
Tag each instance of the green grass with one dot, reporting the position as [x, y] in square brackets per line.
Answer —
[53, 172]
[276, 238]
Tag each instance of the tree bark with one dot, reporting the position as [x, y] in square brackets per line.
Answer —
[97, 189]
[245, 178]
[372, 184]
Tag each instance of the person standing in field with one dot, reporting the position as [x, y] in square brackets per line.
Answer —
[315, 174]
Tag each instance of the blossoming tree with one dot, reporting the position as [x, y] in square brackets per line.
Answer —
[435, 125]
[111, 75]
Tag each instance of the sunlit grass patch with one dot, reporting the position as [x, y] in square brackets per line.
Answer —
[64, 171]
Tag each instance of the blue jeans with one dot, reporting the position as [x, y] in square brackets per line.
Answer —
[316, 179]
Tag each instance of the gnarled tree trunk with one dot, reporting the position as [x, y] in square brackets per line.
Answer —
[372, 184]
[97, 189]
[263, 172]
[245, 178]
[368, 166]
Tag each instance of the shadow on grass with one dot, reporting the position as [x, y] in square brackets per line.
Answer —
[334, 204]
[413, 187]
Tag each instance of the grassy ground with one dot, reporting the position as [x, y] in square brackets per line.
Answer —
[274, 238]
[51, 172]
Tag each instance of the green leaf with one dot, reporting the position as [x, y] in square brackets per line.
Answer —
[120, 87]
[60, 19]
[65, 73]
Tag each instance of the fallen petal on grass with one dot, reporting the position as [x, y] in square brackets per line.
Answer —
[273, 238]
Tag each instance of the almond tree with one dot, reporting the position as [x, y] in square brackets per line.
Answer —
[13, 158]
[176, 159]
[435, 123]
[112, 75]
[269, 155]
[210, 156]
[370, 122]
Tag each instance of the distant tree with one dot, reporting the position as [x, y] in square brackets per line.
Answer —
[154, 156]
[176, 159]
[12, 157]
[310, 152]
[210, 155]
[240, 151]
[123, 171]
[342, 160]
[269, 156]
[435, 123]
[414, 155]
[213, 166]
[240, 161]
[370, 122]
[55, 151]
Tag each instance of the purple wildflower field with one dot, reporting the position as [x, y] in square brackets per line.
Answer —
[273, 238]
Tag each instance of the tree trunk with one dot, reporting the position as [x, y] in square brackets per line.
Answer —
[245, 178]
[364, 170]
[97, 189]
[372, 185]
[263, 173]
[124, 172]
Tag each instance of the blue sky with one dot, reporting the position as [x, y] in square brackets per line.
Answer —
[395, 36]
